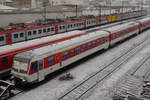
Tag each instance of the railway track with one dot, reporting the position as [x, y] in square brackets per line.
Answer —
[11, 90]
[78, 91]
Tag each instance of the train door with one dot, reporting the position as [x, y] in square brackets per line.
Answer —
[8, 38]
[41, 72]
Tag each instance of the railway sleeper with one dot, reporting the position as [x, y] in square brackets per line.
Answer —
[6, 90]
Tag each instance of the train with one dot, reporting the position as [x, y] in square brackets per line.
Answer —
[34, 65]
[22, 32]
[7, 52]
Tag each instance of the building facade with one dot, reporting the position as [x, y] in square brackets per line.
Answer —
[68, 2]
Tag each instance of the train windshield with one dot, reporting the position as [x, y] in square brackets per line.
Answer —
[20, 65]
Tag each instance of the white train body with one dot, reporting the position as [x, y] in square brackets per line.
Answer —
[34, 65]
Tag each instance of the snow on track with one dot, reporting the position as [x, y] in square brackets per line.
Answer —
[53, 88]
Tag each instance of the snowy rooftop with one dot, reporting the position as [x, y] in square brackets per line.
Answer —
[24, 44]
[64, 44]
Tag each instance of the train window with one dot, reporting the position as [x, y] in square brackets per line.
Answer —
[71, 25]
[5, 61]
[63, 27]
[51, 60]
[78, 50]
[60, 27]
[34, 67]
[93, 43]
[48, 30]
[1, 38]
[29, 33]
[40, 64]
[44, 30]
[84, 47]
[21, 34]
[65, 55]
[40, 31]
[15, 35]
[89, 45]
[72, 52]
[34, 32]
[52, 29]
[68, 26]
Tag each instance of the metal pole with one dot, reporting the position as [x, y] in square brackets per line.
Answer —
[76, 6]
[44, 5]
[122, 11]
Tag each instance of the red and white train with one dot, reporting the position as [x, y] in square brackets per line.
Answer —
[7, 52]
[24, 32]
[33, 65]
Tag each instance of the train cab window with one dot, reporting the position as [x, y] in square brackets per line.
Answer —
[1, 38]
[72, 52]
[34, 67]
[21, 34]
[34, 32]
[52, 29]
[29, 33]
[65, 55]
[15, 35]
[5, 61]
[51, 60]
[78, 50]
[40, 31]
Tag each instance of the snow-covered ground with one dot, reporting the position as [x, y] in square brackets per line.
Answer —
[111, 82]
[53, 88]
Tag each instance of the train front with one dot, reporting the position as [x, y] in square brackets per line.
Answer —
[20, 70]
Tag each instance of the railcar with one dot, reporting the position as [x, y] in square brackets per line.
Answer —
[34, 65]
[7, 55]
[144, 23]
[24, 32]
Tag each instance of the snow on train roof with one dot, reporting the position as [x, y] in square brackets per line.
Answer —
[120, 27]
[37, 41]
[145, 19]
[57, 46]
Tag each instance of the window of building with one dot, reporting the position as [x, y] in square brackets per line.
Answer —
[1, 38]
[51, 60]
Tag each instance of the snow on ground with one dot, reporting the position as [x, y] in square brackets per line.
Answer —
[53, 88]
[112, 81]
